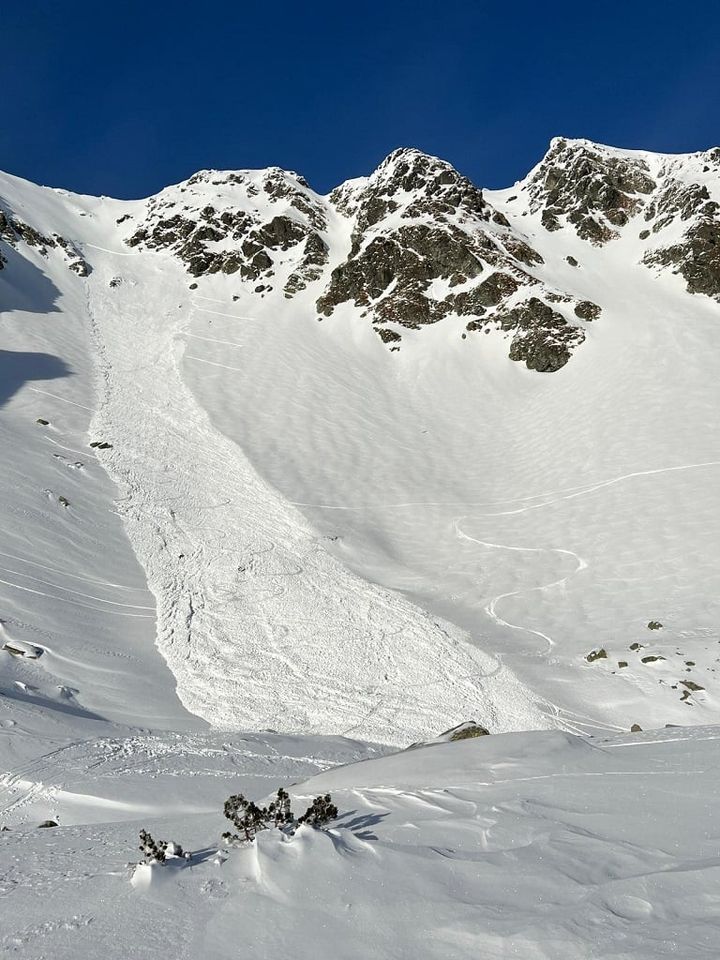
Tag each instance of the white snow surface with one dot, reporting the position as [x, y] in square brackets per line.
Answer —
[539, 846]
[298, 533]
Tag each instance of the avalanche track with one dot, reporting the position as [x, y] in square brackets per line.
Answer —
[261, 627]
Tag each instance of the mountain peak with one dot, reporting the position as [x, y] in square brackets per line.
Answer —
[409, 169]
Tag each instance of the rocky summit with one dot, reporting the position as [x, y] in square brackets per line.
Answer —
[417, 244]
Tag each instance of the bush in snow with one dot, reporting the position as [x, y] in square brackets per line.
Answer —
[248, 819]
[157, 851]
[321, 811]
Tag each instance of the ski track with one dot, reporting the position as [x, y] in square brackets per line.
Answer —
[213, 363]
[64, 399]
[76, 593]
[491, 607]
[74, 576]
[577, 491]
[75, 603]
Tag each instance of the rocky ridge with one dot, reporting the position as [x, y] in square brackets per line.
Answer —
[427, 245]
[417, 243]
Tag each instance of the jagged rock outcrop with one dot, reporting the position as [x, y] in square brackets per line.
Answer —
[542, 337]
[695, 253]
[241, 223]
[589, 188]
[426, 245]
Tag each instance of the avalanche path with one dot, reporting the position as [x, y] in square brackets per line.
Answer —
[260, 625]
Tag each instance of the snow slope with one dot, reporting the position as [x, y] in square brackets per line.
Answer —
[539, 845]
[549, 516]
[261, 626]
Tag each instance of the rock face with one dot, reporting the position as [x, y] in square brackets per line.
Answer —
[689, 214]
[426, 245]
[543, 338]
[588, 188]
[597, 191]
[250, 223]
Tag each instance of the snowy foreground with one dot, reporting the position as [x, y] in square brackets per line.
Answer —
[538, 845]
[242, 548]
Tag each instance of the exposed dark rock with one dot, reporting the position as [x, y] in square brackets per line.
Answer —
[543, 337]
[696, 257]
[13, 230]
[520, 250]
[587, 310]
[236, 239]
[470, 731]
[409, 258]
[80, 267]
[594, 655]
[594, 189]
[386, 335]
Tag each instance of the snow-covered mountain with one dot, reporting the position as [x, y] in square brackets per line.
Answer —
[283, 469]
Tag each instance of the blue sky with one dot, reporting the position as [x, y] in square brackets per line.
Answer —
[122, 99]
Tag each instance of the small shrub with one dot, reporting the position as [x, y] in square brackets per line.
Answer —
[249, 819]
[157, 851]
[321, 811]
[279, 810]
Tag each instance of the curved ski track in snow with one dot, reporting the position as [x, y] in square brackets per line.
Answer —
[491, 607]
